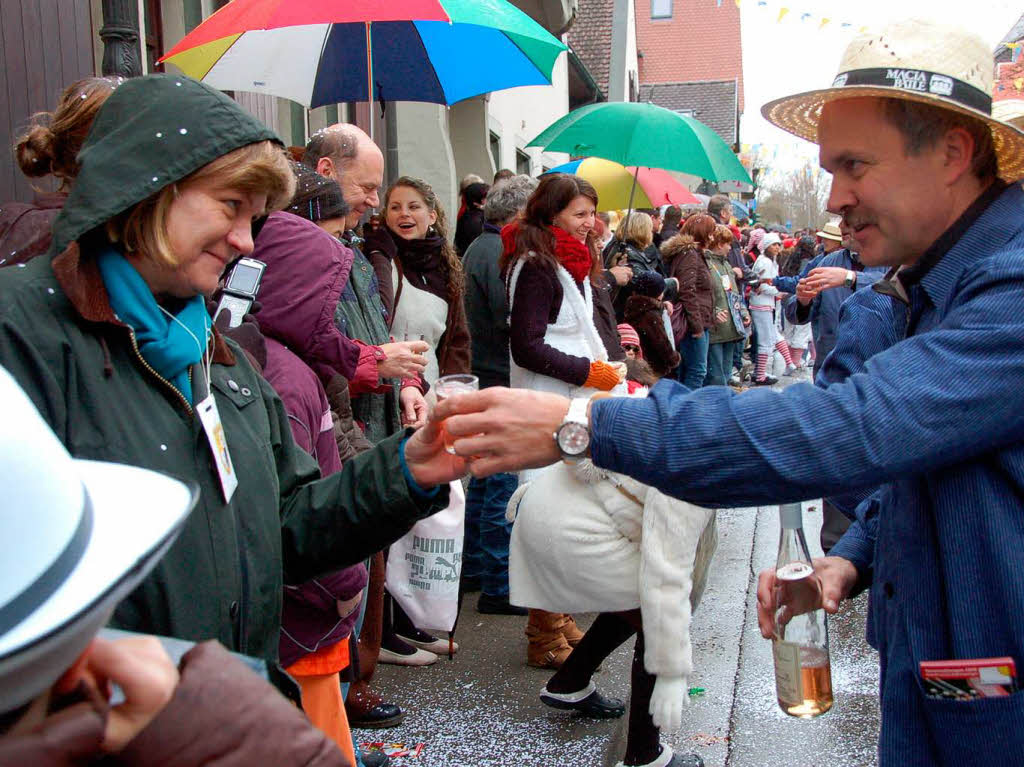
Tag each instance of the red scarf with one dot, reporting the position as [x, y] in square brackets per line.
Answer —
[571, 253]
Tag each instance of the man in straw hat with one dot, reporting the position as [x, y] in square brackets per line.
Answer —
[80, 536]
[924, 179]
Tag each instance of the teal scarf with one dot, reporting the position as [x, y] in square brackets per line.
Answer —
[166, 345]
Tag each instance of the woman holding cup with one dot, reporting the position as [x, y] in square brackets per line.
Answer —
[552, 267]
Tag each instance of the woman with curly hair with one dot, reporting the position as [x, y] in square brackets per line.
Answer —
[426, 272]
[429, 288]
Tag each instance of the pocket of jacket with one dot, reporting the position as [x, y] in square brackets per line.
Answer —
[979, 731]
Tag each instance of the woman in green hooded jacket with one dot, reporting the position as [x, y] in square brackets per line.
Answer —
[111, 339]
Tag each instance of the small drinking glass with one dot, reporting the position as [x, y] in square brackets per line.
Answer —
[445, 387]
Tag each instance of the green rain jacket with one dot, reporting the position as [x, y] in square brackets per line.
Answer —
[59, 337]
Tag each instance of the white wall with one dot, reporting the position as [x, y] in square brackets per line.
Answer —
[517, 115]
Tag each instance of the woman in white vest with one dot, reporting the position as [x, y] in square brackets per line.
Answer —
[552, 265]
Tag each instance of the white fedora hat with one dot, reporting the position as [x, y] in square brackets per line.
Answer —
[917, 61]
[830, 231]
[77, 537]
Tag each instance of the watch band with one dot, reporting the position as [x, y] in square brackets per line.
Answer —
[577, 412]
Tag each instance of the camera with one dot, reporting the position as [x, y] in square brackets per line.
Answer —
[241, 284]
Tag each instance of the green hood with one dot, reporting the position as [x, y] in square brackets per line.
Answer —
[151, 132]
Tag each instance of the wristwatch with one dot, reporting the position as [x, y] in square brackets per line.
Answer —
[851, 279]
[573, 435]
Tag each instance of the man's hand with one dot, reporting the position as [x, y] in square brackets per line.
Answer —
[622, 274]
[404, 359]
[428, 461]
[805, 292]
[146, 675]
[825, 277]
[738, 271]
[722, 316]
[836, 577]
[413, 406]
[502, 430]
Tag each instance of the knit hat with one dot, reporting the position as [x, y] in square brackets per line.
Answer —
[754, 243]
[768, 240]
[316, 197]
[628, 335]
[649, 284]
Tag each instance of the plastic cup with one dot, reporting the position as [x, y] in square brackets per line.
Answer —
[445, 387]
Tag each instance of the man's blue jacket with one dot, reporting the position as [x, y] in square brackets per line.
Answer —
[938, 416]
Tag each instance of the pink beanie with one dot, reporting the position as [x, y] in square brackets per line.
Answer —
[628, 335]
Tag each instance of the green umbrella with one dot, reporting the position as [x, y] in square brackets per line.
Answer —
[644, 135]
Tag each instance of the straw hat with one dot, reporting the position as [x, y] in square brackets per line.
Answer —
[917, 61]
[830, 232]
[1010, 111]
[78, 536]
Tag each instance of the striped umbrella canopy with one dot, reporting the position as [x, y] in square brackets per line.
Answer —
[619, 187]
[320, 52]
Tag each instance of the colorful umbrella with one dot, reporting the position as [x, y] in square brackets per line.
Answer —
[614, 183]
[645, 135]
[320, 52]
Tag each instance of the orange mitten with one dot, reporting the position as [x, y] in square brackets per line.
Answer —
[602, 376]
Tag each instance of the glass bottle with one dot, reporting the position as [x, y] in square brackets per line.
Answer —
[803, 674]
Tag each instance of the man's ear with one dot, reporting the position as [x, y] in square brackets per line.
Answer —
[958, 153]
[325, 167]
[76, 672]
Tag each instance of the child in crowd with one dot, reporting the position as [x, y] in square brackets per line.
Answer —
[645, 311]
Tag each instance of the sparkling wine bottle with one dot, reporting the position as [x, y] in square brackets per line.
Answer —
[803, 674]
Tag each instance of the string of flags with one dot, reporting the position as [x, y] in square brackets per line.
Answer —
[782, 11]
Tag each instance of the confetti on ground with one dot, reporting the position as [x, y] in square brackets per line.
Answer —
[707, 739]
[394, 750]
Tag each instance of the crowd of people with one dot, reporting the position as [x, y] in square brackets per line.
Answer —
[306, 428]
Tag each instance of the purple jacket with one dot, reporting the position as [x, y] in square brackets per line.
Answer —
[297, 318]
[307, 270]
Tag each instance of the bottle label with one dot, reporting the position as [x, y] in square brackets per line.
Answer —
[788, 684]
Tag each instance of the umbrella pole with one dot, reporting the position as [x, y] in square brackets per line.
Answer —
[632, 191]
[369, 78]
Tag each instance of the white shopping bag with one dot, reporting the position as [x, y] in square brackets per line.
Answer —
[424, 566]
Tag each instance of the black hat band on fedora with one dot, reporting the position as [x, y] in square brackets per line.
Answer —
[918, 81]
[53, 577]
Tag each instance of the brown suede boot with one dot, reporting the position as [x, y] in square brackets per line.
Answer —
[546, 647]
[571, 631]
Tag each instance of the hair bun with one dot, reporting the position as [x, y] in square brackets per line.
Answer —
[35, 151]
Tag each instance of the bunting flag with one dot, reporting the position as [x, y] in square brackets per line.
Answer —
[823, 23]
[782, 14]
[804, 16]
[719, 2]
[787, 11]
[1019, 83]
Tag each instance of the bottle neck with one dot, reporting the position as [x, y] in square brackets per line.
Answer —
[791, 516]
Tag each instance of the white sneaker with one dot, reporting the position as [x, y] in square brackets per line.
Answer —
[418, 658]
[790, 370]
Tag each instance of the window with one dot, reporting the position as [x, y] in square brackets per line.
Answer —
[522, 162]
[496, 149]
[661, 9]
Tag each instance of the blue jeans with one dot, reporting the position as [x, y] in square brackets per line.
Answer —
[720, 358]
[485, 549]
[694, 364]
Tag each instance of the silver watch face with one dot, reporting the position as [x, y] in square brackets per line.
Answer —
[573, 438]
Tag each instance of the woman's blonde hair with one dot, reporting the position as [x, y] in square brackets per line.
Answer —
[450, 262]
[51, 144]
[637, 229]
[260, 168]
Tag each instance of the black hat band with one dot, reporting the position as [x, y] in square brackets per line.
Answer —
[918, 81]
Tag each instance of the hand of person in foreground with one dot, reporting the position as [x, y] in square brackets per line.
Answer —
[414, 407]
[146, 675]
[825, 277]
[501, 430]
[622, 274]
[429, 463]
[836, 577]
[404, 359]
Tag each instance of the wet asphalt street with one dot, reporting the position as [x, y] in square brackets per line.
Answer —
[481, 709]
